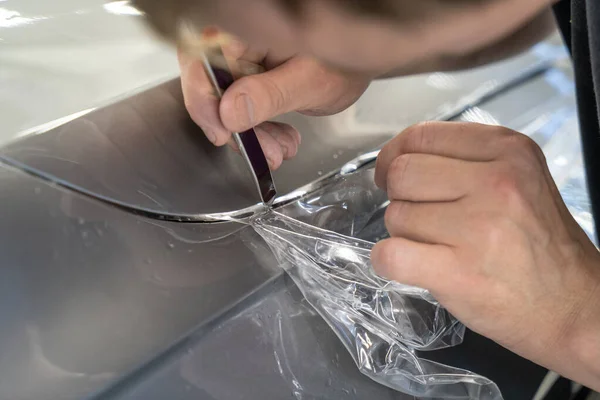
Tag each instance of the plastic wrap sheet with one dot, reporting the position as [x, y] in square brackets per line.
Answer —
[381, 323]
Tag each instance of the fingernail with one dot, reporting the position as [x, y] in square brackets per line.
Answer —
[268, 128]
[210, 136]
[245, 110]
[286, 151]
[231, 142]
[270, 162]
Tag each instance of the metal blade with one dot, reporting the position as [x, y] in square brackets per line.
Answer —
[221, 78]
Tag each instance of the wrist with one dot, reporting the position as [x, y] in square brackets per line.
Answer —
[582, 342]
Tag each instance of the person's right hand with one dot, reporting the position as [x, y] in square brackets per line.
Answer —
[476, 218]
[271, 86]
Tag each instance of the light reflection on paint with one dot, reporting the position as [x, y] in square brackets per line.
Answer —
[121, 8]
[442, 81]
[12, 19]
[54, 124]
[476, 114]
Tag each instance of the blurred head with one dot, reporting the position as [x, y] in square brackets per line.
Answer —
[368, 35]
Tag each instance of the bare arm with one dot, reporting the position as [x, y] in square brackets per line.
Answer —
[581, 355]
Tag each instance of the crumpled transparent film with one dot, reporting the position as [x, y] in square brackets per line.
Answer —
[320, 241]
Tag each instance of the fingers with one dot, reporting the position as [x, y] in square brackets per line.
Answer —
[243, 59]
[278, 141]
[466, 141]
[431, 223]
[429, 178]
[423, 265]
[200, 100]
[298, 84]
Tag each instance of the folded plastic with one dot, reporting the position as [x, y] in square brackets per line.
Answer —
[319, 240]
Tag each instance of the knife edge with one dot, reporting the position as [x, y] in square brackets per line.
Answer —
[248, 143]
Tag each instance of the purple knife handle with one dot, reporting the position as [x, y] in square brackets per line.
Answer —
[254, 152]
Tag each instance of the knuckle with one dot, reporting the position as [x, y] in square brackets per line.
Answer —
[278, 96]
[396, 215]
[416, 135]
[189, 100]
[508, 190]
[426, 136]
[399, 166]
[192, 109]
[275, 161]
[505, 179]
[518, 144]
[249, 85]
[269, 99]
[523, 141]
[381, 173]
[397, 174]
[384, 256]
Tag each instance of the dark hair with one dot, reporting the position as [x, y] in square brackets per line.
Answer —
[393, 10]
[164, 14]
[376, 8]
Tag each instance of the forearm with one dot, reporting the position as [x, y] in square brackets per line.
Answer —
[582, 359]
[523, 39]
[570, 344]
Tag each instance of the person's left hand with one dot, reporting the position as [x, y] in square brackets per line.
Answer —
[476, 218]
[269, 85]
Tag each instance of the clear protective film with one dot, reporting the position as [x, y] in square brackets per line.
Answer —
[324, 242]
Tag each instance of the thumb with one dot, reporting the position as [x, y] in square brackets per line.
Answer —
[299, 84]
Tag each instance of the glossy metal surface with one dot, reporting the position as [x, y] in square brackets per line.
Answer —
[283, 350]
[147, 153]
[90, 293]
[144, 151]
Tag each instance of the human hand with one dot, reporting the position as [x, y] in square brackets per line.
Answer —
[270, 85]
[476, 219]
